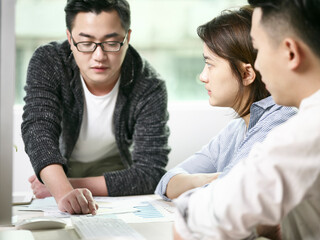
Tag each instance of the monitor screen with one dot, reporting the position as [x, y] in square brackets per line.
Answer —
[7, 83]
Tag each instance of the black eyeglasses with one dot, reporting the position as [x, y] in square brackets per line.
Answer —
[108, 46]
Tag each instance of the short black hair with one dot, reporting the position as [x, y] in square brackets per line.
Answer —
[300, 16]
[122, 7]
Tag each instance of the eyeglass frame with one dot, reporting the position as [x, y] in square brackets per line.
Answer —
[98, 44]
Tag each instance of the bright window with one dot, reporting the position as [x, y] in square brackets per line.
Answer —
[164, 32]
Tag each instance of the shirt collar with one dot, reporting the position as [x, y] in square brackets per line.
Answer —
[258, 109]
[263, 103]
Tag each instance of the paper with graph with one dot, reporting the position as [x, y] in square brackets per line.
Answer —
[131, 209]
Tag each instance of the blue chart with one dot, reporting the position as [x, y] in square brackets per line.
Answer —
[148, 211]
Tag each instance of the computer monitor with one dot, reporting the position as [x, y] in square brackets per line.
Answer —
[7, 88]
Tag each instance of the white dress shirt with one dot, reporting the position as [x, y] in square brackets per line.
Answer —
[280, 180]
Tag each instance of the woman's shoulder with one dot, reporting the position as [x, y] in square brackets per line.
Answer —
[281, 113]
[235, 126]
[275, 116]
[266, 110]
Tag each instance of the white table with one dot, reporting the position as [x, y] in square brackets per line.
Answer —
[150, 230]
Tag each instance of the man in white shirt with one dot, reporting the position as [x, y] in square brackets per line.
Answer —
[279, 182]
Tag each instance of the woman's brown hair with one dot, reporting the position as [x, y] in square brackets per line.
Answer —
[228, 36]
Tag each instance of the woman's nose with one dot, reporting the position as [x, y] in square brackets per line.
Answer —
[203, 77]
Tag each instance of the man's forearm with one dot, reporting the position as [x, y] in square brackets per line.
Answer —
[73, 201]
[56, 181]
[97, 185]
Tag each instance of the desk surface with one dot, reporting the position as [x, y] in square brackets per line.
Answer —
[150, 230]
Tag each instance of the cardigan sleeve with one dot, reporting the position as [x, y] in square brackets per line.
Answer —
[149, 148]
[42, 117]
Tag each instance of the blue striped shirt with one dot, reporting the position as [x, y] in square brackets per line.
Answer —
[233, 143]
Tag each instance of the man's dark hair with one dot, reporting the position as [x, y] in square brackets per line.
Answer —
[228, 36]
[300, 16]
[122, 7]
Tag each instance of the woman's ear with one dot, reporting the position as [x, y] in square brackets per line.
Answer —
[248, 74]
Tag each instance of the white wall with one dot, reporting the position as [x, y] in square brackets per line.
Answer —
[21, 165]
[192, 124]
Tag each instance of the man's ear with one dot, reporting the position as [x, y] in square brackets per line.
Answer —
[293, 53]
[248, 74]
[129, 35]
[69, 36]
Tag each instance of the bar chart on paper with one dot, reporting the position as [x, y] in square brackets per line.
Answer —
[131, 209]
[148, 211]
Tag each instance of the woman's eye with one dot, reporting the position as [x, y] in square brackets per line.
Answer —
[208, 64]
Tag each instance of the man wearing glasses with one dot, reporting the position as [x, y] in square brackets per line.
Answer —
[95, 117]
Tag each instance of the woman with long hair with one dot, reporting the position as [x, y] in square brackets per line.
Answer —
[231, 81]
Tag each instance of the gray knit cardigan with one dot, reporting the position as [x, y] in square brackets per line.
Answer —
[54, 108]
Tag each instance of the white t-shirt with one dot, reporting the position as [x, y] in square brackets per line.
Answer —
[96, 139]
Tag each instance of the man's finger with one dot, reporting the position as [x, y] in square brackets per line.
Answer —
[93, 207]
[32, 178]
[91, 203]
[74, 202]
[67, 208]
[83, 203]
